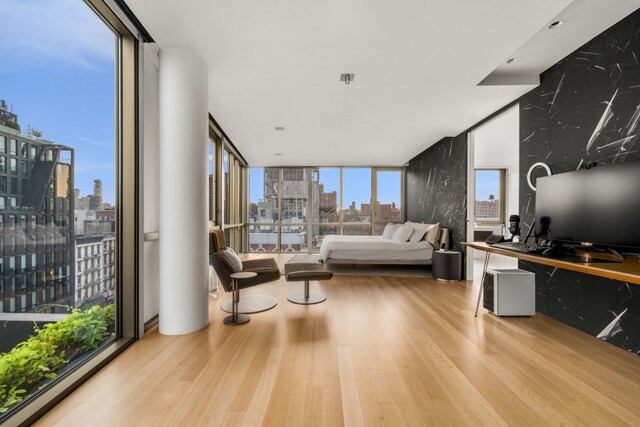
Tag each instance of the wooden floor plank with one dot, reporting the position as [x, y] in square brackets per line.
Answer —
[380, 351]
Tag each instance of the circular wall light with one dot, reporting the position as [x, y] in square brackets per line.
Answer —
[537, 170]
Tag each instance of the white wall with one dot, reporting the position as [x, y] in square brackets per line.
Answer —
[497, 145]
[151, 178]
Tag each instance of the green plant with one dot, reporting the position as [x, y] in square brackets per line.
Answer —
[33, 133]
[52, 347]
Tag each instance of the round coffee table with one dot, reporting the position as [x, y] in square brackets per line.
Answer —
[236, 318]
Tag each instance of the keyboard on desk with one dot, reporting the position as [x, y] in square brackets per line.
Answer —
[528, 248]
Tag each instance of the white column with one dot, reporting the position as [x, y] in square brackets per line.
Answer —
[183, 218]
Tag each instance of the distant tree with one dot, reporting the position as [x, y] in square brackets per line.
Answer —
[34, 133]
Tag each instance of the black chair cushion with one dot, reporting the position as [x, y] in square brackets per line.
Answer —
[267, 270]
[298, 272]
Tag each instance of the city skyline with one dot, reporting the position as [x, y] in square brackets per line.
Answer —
[356, 186]
[63, 85]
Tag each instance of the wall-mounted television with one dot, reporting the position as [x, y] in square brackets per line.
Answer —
[600, 206]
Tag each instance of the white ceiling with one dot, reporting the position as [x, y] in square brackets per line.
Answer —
[417, 66]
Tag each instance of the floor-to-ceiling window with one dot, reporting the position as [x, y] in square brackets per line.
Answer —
[356, 201]
[235, 207]
[264, 211]
[67, 150]
[292, 209]
[212, 181]
[327, 198]
[388, 190]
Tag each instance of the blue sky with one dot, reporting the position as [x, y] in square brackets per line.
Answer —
[357, 184]
[487, 182]
[58, 75]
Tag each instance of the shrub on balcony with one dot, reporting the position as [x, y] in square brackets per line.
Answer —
[51, 348]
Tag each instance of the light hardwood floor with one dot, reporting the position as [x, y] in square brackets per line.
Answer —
[379, 351]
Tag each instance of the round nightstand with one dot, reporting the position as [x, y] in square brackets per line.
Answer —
[236, 318]
[447, 265]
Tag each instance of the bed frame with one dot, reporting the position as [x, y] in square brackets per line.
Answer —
[444, 239]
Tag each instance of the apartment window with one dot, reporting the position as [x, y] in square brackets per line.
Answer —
[3, 184]
[3, 144]
[264, 211]
[234, 203]
[227, 187]
[100, 84]
[490, 195]
[212, 181]
[292, 209]
[388, 200]
[356, 207]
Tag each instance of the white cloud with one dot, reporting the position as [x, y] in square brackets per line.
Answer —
[84, 166]
[96, 143]
[64, 31]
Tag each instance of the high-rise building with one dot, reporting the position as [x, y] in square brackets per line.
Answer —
[36, 224]
[95, 203]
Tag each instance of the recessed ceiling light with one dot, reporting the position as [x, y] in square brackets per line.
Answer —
[279, 127]
[555, 25]
[277, 154]
[511, 60]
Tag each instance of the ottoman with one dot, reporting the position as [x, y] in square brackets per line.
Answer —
[303, 268]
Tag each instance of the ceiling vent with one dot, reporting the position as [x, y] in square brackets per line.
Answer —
[347, 77]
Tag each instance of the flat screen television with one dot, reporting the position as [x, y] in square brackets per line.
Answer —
[600, 206]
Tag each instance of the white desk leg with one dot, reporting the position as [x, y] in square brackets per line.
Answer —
[484, 273]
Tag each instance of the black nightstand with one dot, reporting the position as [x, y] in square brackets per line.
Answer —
[447, 265]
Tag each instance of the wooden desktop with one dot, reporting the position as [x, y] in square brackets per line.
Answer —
[599, 264]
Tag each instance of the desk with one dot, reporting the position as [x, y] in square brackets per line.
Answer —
[626, 271]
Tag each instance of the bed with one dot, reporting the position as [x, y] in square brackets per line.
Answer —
[379, 250]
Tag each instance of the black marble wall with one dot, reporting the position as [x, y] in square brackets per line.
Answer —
[437, 188]
[586, 109]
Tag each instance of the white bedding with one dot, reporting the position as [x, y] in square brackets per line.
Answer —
[373, 248]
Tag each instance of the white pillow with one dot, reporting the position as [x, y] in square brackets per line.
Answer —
[232, 258]
[403, 233]
[418, 233]
[389, 229]
[432, 233]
